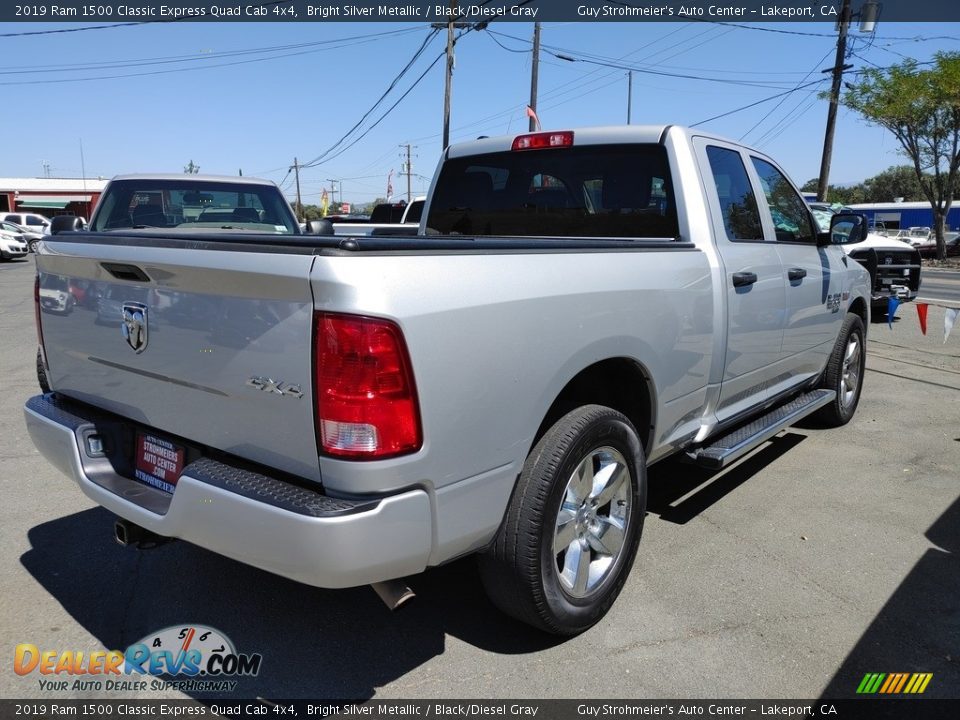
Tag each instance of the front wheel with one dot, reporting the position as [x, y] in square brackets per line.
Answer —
[844, 374]
[571, 531]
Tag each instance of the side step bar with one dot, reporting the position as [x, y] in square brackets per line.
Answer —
[724, 450]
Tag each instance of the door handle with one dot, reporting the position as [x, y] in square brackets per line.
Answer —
[742, 279]
[796, 273]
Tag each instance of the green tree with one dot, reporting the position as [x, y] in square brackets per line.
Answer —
[191, 168]
[894, 182]
[922, 110]
[368, 208]
[843, 194]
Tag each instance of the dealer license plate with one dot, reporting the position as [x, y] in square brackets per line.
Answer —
[158, 462]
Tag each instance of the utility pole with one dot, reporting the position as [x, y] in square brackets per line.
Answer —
[534, 73]
[334, 184]
[838, 68]
[296, 173]
[448, 87]
[409, 170]
[450, 25]
[629, 94]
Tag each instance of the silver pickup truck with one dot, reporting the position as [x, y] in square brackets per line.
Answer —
[349, 411]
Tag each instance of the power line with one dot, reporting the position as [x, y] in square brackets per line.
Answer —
[591, 59]
[784, 99]
[382, 117]
[393, 83]
[361, 40]
[172, 59]
[758, 102]
[573, 86]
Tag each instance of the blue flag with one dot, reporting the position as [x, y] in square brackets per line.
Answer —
[892, 304]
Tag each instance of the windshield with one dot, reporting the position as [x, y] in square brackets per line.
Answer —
[609, 191]
[822, 216]
[193, 205]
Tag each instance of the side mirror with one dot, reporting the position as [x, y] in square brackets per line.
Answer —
[845, 229]
[320, 227]
[66, 223]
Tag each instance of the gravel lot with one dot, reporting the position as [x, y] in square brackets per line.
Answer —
[823, 556]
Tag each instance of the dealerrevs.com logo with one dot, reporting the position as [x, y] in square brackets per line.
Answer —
[196, 656]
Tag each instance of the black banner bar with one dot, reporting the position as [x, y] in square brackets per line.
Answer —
[113, 708]
[140, 11]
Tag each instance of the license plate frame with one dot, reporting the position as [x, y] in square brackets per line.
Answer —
[157, 462]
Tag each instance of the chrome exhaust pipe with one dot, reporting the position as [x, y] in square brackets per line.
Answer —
[394, 593]
[127, 533]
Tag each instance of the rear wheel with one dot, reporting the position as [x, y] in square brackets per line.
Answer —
[844, 374]
[571, 532]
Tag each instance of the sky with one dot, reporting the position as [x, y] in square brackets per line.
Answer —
[250, 97]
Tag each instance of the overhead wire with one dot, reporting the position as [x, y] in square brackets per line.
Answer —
[758, 102]
[333, 152]
[393, 83]
[358, 40]
[784, 98]
[206, 57]
[569, 87]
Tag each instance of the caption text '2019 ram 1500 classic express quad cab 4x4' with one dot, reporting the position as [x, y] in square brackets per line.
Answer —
[349, 411]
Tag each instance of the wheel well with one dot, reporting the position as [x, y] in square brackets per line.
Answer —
[859, 307]
[618, 383]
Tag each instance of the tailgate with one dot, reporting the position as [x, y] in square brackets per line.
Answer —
[210, 345]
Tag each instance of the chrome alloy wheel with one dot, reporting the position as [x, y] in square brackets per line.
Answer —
[592, 521]
[850, 374]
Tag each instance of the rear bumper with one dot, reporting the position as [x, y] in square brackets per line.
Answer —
[263, 521]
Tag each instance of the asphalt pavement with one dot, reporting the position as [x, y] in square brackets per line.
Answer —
[936, 284]
[821, 557]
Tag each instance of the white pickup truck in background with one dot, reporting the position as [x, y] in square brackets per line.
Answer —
[352, 410]
[379, 222]
[893, 263]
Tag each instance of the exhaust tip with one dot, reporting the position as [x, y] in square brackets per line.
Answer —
[394, 593]
[120, 533]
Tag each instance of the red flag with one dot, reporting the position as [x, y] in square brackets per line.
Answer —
[922, 314]
[531, 113]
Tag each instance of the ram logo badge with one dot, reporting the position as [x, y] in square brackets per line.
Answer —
[275, 386]
[134, 327]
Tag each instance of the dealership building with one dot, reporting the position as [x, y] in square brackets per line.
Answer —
[50, 196]
[903, 215]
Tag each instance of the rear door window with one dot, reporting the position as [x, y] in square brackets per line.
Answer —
[738, 204]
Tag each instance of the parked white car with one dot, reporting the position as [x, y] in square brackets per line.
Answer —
[12, 244]
[30, 221]
[29, 236]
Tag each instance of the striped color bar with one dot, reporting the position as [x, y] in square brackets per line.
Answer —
[894, 683]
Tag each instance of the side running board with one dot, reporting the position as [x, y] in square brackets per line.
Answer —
[724, 450]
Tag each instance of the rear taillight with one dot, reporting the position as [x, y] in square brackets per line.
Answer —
[538, 141]
[366, 400]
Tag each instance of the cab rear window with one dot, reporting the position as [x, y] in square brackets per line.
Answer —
[602, 191]
[193, 205]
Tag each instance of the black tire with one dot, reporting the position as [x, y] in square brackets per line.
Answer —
[520, 570]
[844, 375]
[42, 374]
